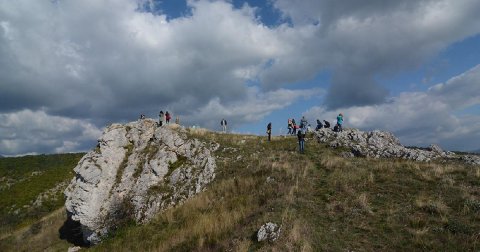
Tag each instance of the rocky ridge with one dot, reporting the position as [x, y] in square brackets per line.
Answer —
[137, 170]
[381, 144]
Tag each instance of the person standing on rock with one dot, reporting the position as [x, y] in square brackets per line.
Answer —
[161, 119]
[223, 123]
[301, 141]
[177, 120]
[168, 117]
[269, 131]
[340, 122]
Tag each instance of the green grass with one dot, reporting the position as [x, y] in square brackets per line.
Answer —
[322, 201]
[24, 178]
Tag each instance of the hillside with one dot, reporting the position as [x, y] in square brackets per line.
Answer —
[321, 200]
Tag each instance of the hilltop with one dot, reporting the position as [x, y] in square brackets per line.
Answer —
[321, 200]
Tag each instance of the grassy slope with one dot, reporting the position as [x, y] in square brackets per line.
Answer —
[323, 202]
[22, 180]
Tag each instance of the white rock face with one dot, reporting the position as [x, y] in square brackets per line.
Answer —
[137, 170]
[380, 144]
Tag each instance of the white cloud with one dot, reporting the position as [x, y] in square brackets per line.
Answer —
[29, 131]
[256, 106]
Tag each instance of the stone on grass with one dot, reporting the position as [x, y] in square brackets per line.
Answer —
[268, 232]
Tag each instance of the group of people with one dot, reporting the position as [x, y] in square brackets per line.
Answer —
[304, 127]
[164, 118]
[326, 124]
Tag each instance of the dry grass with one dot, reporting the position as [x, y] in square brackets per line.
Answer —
[362, 203]
[431, 205]
[243, 246]
[322, 201]
[198, 131]
[42, 235]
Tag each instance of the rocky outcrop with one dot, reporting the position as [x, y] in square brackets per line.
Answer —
[137, 170]
[268, 232]
[381, 144]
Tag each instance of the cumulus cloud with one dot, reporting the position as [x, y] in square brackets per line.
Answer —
[33, 132]
[363, 40]
[421, 118]
[106, 59]
[256, 106]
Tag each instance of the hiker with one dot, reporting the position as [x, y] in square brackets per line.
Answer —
[319, 125]
[290, 126]
[294, 127]
[161, 119]
[269, 131]
[301, 140]
[340, 122]
[327, 124]
[177, 120]
[167, 117]
[142, 116]
[303, 122]
[224, 125]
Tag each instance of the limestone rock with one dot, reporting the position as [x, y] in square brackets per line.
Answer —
[378, 144]
[268, 232]
[137, 170]
[471, 159]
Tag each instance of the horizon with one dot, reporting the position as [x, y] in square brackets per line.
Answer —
[68, 68]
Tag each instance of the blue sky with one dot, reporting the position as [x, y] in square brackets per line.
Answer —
[69, 68]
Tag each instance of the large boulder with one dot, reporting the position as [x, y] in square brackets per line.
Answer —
[136, 171]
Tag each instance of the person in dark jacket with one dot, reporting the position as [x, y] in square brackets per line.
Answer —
[327, 124]
[294, 127]
[269, 131]
[161, 119]
[301, 140]
[223, 122]
[319, 125]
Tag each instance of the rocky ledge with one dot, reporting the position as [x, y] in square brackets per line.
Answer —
[381, 144]
[136, 171]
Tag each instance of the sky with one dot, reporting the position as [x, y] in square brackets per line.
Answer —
[69, 68]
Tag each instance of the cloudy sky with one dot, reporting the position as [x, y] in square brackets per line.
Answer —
[70, 67]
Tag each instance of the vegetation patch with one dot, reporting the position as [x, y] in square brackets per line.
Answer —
[30, 176]
[123, 165]
[172, 166]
